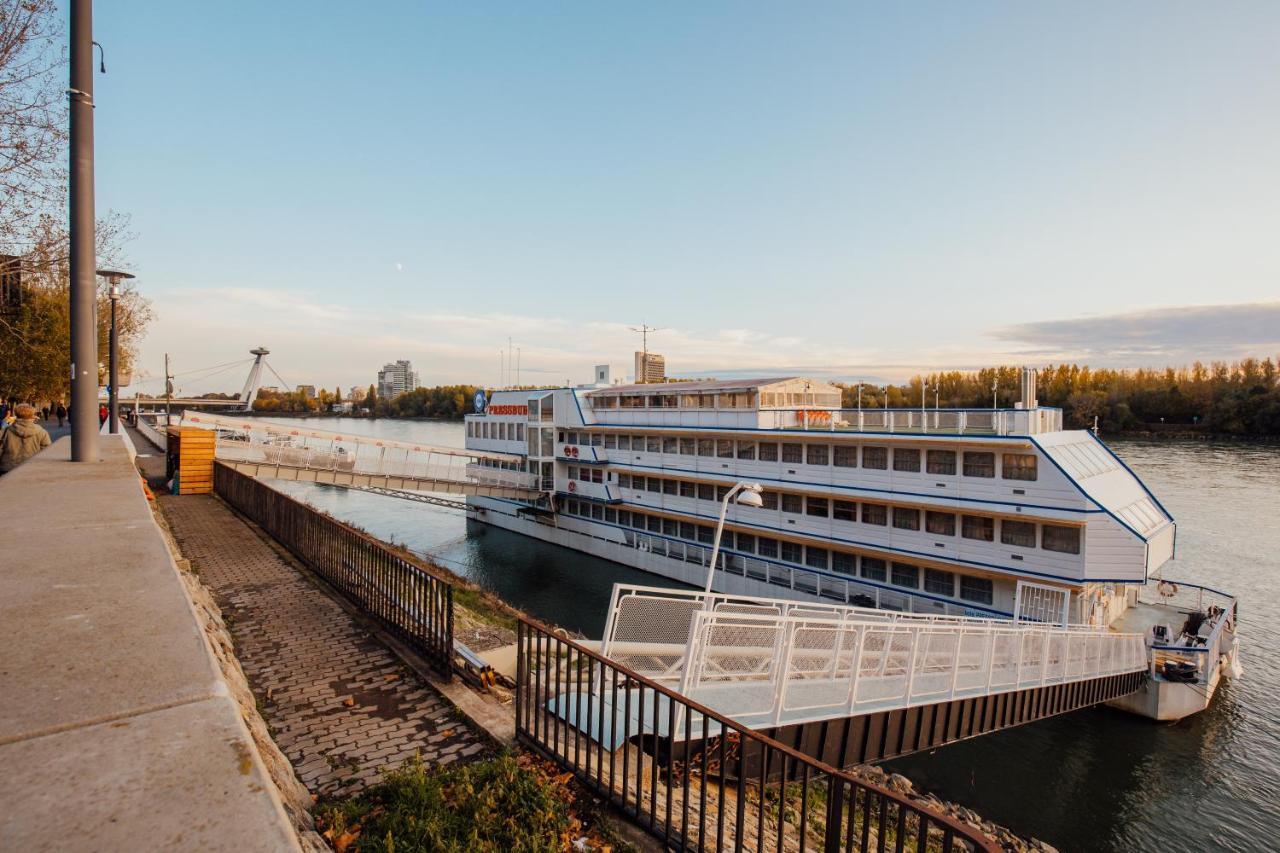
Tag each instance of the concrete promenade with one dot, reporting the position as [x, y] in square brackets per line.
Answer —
[117, 728]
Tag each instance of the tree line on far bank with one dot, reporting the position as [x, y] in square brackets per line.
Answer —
[1238, 398]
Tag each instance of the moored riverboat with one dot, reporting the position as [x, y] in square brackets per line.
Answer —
[984, 513]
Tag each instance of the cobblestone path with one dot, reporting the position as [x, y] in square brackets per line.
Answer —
[341, 706]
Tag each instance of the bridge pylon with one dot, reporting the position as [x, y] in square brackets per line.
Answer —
[254, 379]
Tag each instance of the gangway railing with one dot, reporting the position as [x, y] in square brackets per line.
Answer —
[345, 455]
[770, 662]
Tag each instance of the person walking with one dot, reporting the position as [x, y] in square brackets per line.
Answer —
[44, 413]
[22, 440]
[102, 415]
[61, 412]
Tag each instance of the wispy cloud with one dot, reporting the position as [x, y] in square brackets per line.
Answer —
[315, 341]
[1159, 336]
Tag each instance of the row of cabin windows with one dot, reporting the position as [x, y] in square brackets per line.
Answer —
[876, 569]
[973, 463]
[586, 474]
[496, 430]
[1055, 537]
[728, 400]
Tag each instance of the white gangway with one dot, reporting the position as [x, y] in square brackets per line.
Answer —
[277, 451]
[769, 662]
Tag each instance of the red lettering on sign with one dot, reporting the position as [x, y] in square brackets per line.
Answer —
[509, 410]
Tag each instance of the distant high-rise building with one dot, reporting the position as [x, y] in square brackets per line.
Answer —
[650, 367]
[396, 378]
[602, 374]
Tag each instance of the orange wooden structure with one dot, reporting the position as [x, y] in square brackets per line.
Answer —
[189, 460]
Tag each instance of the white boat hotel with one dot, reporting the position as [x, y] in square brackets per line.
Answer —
[965, 512]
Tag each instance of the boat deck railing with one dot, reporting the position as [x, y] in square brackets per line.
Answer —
[923, 420]
[1185, 597]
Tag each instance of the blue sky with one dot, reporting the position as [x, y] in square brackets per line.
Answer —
[839, 189]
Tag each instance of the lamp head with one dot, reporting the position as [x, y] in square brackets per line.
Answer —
[750, 495]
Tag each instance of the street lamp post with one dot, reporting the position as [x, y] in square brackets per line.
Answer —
[747, 494]
[114, 277]
[84, 343]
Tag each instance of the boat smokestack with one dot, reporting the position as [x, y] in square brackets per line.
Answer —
[1029, 377]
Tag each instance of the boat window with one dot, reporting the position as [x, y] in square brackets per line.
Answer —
[548, 443]
[688, 490]
[817, 506]
[791, 553]
[548, 411]
[610, 442]
[653, 444]
[747, 542]
[688, 531]
[669, 526]
[724, 448]
[638, 520]
[670, 445]
[624, 442]
[597, 512]
[791, 503]
[875, 457]
[706, 492]
[722, 492]
[624, 480]
[688, 446]
[817, 454]
[844, 510]
[817, 558]
[1019, 533]
[706, 447]
[906, 518]
[768, 451]
[728, 401]
[905, 575]
[1018, 466]
[877, 514]
[689, 401]
[706, 534]
[845, 456]
[980, 590]
[767, 547]
[793, 453]
[873, 568]
[706, 401]
[605, 402]
[631, 401]
[978, 527]
[654, 524]
[843, 563]
[653, 484]
[906, 459]
[746, 450]
[769, 499]
[670, 487]
[979, 464]
[533, 408]
[655, 401]
[624, 518]
[940, 523]
[941, 462]
[939, 582]
[1057, 537]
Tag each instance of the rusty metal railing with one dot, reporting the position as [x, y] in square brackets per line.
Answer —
[411, 602]
[697, 779]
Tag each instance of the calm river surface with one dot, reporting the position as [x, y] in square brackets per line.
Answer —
[1093, 780]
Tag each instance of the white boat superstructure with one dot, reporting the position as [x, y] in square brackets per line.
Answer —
[979, 513]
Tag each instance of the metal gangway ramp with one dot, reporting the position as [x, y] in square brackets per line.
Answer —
[850, 684]
[384, 466]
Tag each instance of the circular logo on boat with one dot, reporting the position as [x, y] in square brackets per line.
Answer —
[573, 487]
[481, 402]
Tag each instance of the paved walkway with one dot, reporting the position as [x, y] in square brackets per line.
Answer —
[341, 706]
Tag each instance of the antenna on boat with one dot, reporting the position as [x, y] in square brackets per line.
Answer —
[1095, 426]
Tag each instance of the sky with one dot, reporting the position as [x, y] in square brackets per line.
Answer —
[846, 190]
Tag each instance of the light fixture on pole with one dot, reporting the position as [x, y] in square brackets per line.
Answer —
[747, 494]
[113, 277]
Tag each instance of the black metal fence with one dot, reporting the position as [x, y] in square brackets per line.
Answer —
[696, 779]
[412, 603]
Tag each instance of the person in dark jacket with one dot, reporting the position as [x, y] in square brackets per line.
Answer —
[24, 439]
[61, 412]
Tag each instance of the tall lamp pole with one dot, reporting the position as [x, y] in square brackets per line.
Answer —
[84, 331]
[747, 494]
[114, 277]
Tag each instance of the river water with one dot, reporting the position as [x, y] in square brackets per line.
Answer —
[1096, 779]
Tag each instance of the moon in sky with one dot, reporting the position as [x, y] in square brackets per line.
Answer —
[399, 266]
